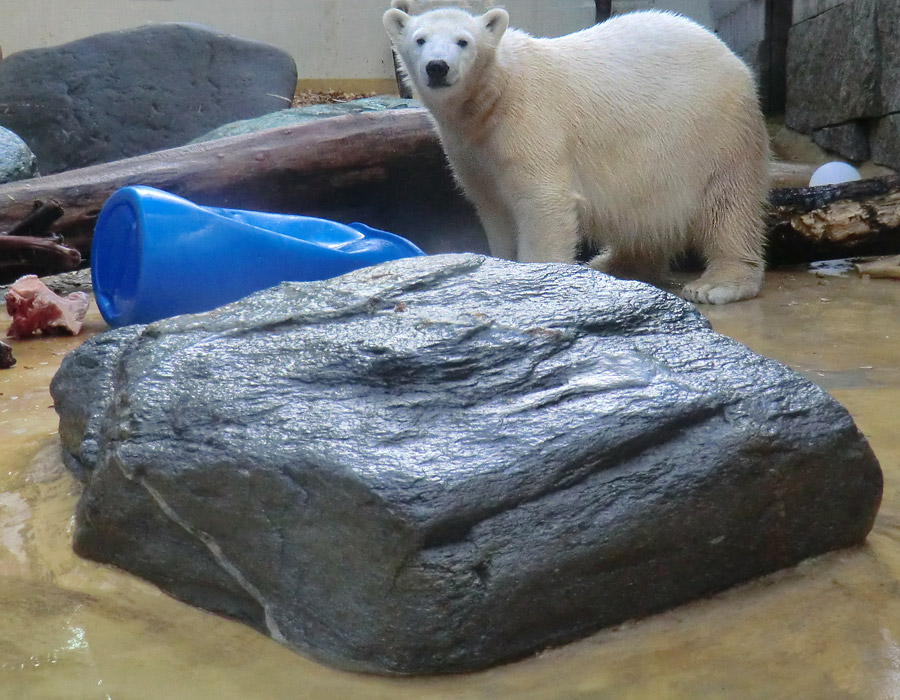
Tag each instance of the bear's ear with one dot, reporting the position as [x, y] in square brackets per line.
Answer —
[402, 5]
[395, 22]
[495, 21]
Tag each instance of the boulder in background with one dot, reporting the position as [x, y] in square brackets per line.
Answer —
[130, 92]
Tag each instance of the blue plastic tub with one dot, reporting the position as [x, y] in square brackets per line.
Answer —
[156, 255]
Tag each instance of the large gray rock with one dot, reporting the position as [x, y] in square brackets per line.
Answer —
[130, 92]
[17, 162]
[443, 463]
[834, 67]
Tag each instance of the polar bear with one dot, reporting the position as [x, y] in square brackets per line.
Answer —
[642, 135]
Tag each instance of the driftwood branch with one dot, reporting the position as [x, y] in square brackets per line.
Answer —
[387, 170]
[879, 268]
[38, 221]
[45, 252]
[30, 246]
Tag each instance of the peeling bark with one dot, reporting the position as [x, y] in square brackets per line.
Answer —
[834, 221]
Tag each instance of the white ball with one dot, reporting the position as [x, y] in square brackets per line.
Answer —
[834, 173]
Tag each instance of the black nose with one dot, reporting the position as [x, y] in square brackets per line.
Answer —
[437, 69]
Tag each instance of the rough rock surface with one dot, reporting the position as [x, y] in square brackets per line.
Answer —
[130, 92]
[17, 162]
[301, 115]
[850, 140]
[807, 9]
[843, 76]
[834, 68]
[443, 463]
[886, 141]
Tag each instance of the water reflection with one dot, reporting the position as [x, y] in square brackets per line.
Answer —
[14, 513]
[826, 629]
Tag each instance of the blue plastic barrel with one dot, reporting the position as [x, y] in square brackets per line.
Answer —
[156, 255]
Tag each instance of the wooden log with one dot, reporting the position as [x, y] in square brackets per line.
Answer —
[296, 168]
[384, 168]
[38, 221]
[387, 170]
[835, 221]
[783, 174]
[879, 268]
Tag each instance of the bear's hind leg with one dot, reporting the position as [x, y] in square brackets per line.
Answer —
[626, 265]
[731, 242]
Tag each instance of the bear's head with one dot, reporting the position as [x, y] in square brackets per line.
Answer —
[441, 49]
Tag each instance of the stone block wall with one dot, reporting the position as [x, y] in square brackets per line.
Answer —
[843, 77]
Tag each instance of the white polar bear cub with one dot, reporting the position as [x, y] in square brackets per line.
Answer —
[642, 134]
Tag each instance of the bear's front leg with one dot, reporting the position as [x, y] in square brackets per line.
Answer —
[499, 226]
[547, 224]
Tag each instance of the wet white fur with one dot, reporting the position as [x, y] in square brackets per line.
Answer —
[642, 134]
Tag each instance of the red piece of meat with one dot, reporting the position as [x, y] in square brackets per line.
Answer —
[35, 307]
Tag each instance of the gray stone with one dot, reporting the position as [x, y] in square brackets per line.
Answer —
[17, 162]
[885, 140]
[889, 39]
[443, 463]
[807, 9]
[849, 140]
[833, 68]
[131, 92]
[301, 115]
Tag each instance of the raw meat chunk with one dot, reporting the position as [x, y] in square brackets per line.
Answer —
[35, 307]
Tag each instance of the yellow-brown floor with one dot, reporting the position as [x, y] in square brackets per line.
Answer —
[830, 628]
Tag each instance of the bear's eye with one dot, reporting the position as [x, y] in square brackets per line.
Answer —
[420, 41]
[462, 43]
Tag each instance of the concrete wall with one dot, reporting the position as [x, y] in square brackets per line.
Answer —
[332, 41]
[756, 30]
[341, 43]
[740, 23]
[698, 10]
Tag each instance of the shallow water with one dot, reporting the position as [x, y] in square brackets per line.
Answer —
[829, 628]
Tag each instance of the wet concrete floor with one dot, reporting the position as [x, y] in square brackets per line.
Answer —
[827, 629]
